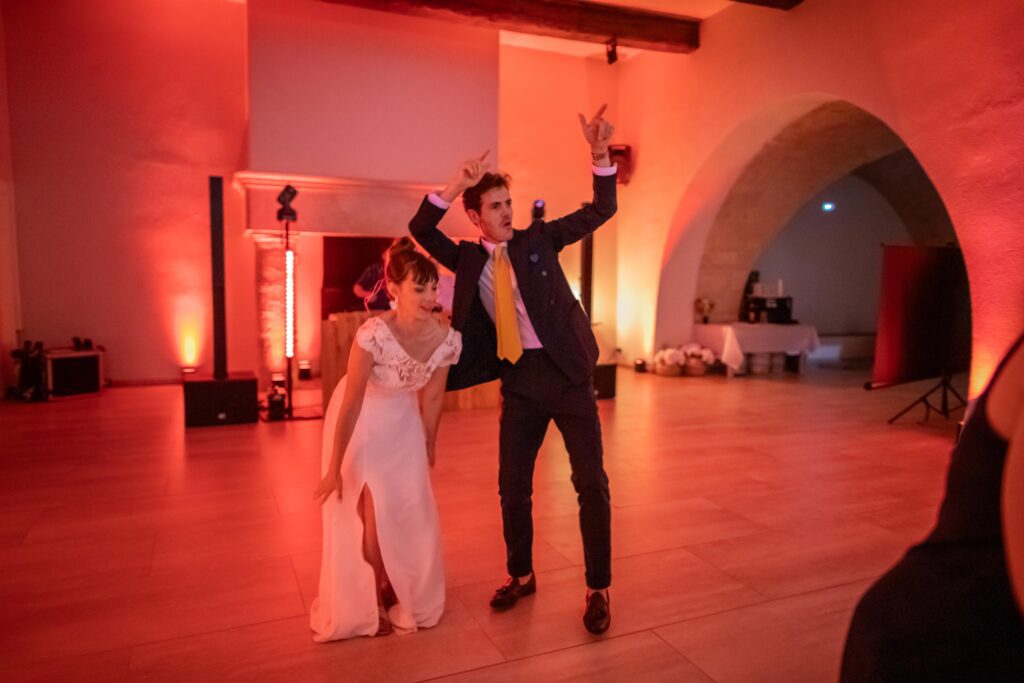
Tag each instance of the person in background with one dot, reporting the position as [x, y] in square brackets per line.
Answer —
[947, 610]
[370, 287]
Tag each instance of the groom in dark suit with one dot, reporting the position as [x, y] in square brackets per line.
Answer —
[520, 322]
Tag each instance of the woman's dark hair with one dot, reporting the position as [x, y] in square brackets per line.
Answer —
[401, 260]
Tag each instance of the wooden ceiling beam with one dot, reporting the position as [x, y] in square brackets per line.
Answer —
[774, 4]
[570, 19]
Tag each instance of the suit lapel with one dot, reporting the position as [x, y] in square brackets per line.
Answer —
[478, 259]
[472, 260]
[517, 257]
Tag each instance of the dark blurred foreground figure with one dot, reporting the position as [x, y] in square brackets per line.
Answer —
[947, 610]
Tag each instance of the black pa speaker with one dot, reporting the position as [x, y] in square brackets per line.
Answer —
[224, 398]
[210, 401]
[73, 373]
[604, 380]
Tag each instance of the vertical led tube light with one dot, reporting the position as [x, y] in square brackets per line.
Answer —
[289, 303]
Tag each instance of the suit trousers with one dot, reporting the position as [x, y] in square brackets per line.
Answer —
[535, 392]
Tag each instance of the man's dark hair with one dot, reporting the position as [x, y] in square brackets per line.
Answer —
[488, 181]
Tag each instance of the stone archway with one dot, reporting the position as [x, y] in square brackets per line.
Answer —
[809, 154]
[900, 178]
[712, 255]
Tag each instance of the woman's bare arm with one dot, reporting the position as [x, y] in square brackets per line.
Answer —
[360, 362]
[433, 401]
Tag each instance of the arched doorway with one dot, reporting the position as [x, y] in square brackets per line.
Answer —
[762, 180]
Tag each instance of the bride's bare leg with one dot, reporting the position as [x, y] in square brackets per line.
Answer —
[371, 546]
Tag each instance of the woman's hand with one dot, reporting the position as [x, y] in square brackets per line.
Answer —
[330, 483]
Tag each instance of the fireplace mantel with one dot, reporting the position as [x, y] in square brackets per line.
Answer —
[339, 206]
[327, 207]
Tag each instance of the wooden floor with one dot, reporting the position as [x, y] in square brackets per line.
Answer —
[749, 515]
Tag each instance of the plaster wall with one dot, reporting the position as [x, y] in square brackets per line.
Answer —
[944, 76]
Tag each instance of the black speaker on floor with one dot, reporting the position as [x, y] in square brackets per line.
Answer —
[231, 400]
[604, 380]
[72, 373]
[223, 398]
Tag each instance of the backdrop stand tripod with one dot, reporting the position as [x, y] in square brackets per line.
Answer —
[943, 408]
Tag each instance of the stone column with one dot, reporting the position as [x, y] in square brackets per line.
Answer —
[270, 273]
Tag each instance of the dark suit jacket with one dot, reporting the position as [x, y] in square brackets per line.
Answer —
[556, 314]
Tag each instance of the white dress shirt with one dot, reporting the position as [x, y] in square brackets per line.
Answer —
[527, 334]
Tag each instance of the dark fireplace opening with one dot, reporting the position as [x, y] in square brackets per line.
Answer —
[345, 259]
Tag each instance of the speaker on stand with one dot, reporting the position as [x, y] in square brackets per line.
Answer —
[223, 398]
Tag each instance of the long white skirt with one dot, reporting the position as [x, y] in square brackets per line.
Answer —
[387, 454]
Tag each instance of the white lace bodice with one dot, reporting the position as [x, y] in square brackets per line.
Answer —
[393, 368]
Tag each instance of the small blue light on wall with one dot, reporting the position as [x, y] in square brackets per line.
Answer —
[828, 207]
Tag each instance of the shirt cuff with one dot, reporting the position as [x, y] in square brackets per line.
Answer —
[435, 199]
[606, 170]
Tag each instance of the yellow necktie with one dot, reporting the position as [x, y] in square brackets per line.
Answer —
[510, 347]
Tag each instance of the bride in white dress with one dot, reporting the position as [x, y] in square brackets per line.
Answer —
[382, 567]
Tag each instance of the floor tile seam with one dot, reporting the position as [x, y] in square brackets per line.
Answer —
[682, 654]
[134, 646]
[767, 601]
[29, 663]
[298, 584]
[511, 660]
[480, 626]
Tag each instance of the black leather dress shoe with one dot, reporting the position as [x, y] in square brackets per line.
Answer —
[507, 595]
[598, 616]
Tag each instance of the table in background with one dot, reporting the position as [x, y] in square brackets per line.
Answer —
[731, 342]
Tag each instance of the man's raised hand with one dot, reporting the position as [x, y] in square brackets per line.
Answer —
[597, 131]
[466, 176]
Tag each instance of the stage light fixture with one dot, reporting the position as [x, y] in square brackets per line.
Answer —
[286, 212]
[828, 207]
[611, 52]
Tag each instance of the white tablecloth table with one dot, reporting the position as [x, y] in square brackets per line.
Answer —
[731, 342]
